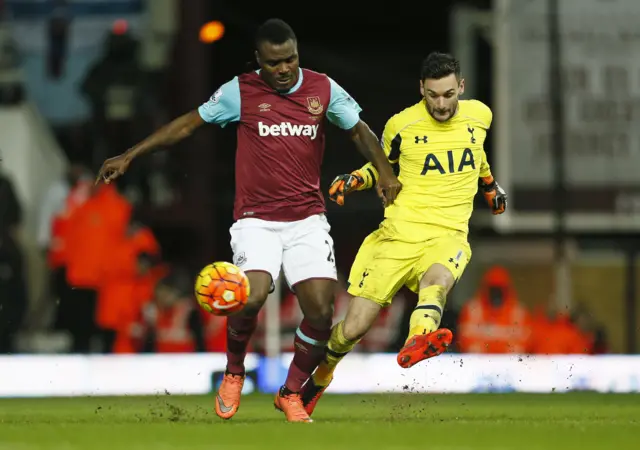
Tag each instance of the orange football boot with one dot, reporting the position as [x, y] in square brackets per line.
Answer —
[310, 395]
[290, 404]
[228, 398]
[424, 346]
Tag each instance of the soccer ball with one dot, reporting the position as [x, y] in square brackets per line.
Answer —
[222, 288]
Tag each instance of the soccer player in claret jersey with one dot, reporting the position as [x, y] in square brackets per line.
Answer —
[280, 112]
[422, 242]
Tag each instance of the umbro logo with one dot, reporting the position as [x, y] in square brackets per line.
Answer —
[301, 347]
[264, 107]
[422, 139]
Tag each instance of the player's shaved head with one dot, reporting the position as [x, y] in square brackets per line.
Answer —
[274, 31]
[277, 54]
[441, 85]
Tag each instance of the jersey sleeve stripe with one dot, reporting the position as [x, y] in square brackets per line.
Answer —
[394, 153]
[374, 181]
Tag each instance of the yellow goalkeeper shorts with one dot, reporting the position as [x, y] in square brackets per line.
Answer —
[399, 253]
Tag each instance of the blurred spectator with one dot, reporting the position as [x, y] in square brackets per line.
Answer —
[59, 24]
[61, 199]
[94, 229]
[11, 84]
[494, 321]
[10, 209]
[171, 322]
[125, 284]
[150, 270]
[596, 333]
[154, 182]
[13, 294]
[554, 333]
[114, 87]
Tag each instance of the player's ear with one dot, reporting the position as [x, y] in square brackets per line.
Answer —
[421, 88]
[461, 86]
[258, 58]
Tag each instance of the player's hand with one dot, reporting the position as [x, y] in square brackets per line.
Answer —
[495, 196]
[112, 168]
[388, 188]
[343, 184]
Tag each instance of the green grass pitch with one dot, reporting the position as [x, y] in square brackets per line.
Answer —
[570, 421]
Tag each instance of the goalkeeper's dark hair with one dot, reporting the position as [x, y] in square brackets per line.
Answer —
[439, 65]
[274, 31]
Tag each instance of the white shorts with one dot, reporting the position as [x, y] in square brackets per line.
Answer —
[303, 248]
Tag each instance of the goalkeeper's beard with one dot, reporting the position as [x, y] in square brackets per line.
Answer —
[442, 115]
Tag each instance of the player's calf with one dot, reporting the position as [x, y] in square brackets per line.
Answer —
[361, 315]
[316, 301]
[425, 340]
[240, 328]
[309, 344]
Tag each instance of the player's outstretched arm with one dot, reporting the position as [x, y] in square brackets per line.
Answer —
[387, 183]
[169, 134]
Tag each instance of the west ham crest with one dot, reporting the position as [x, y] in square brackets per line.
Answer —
[314, 105]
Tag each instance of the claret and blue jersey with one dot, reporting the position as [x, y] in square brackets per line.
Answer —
[280, 141]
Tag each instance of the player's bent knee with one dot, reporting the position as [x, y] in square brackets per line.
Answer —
[256, 299]
[320, 313]
[254, 304]
[316, 301]
[437, 275]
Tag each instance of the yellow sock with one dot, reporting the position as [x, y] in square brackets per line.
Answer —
[336, 349]
[427, 314]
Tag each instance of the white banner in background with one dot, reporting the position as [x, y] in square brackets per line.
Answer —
[456, 373]
[108, 375]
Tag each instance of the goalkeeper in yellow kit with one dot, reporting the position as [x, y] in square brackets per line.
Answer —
[422, 242]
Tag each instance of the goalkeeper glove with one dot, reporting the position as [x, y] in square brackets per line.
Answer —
[343, 184]
[495, 196]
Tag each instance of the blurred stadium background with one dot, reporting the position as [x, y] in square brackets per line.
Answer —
[82, 305]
